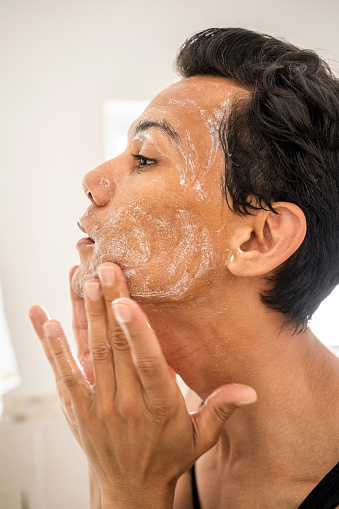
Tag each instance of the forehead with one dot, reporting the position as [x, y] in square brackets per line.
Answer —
[195, 98]
[208, 92]
[195, 104]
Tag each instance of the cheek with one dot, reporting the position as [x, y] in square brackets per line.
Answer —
[164, 257]
[131, 236]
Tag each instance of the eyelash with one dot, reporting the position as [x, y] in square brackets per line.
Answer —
[139, 157]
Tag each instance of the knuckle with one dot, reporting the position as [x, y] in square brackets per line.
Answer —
[80, 323]
[104, 412]
[160, 411]
[94, 313]
[101, 351]
[147, 366]
[118, 339]
[57, 351]
[68, 380]
[222, 413]
[128, 408]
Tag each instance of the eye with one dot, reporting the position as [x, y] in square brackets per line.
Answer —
[143, 161]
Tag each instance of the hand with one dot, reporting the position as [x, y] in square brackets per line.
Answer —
[132, 422]
[80, 329]
[39, 317]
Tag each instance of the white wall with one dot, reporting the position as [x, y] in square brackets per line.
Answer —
[59, 62]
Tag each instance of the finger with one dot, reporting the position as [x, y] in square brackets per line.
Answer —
[158, 384]
[114, 286]
[79, 317]
[99, 343]
[38, 316]
[70, 373]
[218, 408]
[66, 406]
[80, 329]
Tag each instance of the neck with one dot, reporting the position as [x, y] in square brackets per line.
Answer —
[292, 374]
[224, 341]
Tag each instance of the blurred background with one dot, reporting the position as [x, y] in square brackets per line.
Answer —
[60, 64]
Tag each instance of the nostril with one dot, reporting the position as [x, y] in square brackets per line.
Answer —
[89, 195]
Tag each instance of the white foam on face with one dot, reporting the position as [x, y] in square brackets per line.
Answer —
[162, 253]
[147, 136]
[104, 182]
[212, 124]
[162, 257]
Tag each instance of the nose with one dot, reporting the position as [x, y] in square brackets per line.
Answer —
[97, 187]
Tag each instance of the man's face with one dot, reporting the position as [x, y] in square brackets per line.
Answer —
[158, 209]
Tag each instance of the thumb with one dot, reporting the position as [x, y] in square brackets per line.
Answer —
[217, 409]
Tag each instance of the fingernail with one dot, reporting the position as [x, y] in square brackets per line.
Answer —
[106, 275]
[121, 311]
[51, 329]
[250, 398]
[93, 290]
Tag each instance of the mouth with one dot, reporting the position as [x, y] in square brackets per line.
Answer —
[85, 241]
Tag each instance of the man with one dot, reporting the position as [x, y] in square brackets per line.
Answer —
[220, 220]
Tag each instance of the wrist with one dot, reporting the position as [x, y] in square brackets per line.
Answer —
[94, 490]
[142, 498]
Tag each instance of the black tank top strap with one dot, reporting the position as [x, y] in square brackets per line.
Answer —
[326, 494]
[195, 496]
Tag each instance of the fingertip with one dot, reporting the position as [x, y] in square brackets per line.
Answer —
[38, 314]
[32, 310]
[72, 270]
[122, 309]
[234, 394]
[248, 397]
[118, 270]
[92, 289]
[70, 281]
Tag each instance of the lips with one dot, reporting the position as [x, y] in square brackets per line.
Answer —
[85, 241]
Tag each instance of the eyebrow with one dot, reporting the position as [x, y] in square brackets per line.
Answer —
[163, 125]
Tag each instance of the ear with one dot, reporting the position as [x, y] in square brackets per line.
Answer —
[265, 240]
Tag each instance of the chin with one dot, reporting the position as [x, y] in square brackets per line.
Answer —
[79, 279]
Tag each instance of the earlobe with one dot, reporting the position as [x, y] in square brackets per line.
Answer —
[265, 240]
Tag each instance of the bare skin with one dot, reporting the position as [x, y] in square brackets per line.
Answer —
[212, 327]
[271, 454]
[135, 395]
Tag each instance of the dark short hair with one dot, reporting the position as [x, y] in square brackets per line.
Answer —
[281, 143]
